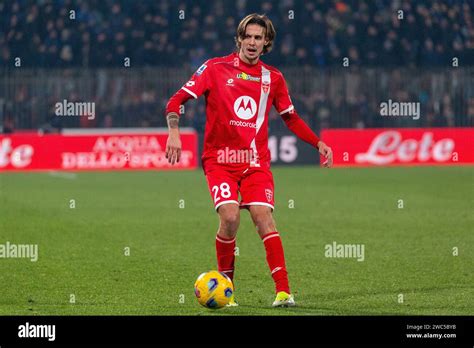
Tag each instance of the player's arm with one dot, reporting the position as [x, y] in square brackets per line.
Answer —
[173, 144]
[302, 131]
[287, 112]
[196, 86]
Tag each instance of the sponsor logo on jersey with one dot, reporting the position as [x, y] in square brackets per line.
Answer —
[230, 82]
[245, 107]
[201, 69]
[247, 77]
[243, 124]
[190, 83]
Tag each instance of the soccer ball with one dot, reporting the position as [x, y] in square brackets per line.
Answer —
[213, 289]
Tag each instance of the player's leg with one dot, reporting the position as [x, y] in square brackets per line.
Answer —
[257, 195]
[229, 219]
[224, 191]
[263, 220]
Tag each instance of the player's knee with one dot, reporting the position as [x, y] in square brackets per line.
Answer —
[229, 225]
[229, 221]
[265, 226]
[264, 222]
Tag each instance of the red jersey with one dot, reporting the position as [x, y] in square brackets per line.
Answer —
[238, 100]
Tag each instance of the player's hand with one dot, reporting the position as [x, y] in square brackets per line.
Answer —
[326, 152]
[173, 147]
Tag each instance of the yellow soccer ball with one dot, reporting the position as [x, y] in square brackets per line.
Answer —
[213, 289]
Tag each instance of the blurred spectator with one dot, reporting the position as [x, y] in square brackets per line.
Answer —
[389, 58]
[102, 33]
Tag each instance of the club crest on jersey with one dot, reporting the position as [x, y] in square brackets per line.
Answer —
[245, 107]
[269, 194]
[201, 69]
[265, 87]
[266, 80]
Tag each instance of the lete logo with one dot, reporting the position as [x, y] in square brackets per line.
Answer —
[388, 147]
[19, 157]
[245, 107]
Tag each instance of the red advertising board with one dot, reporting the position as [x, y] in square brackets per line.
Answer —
[94, 151]
[401, 146]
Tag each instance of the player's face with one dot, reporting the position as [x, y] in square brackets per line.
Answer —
[251, 46]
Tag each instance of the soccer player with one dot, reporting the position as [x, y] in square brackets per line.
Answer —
[240, 90]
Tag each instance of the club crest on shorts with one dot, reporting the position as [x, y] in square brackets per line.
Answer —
[269, 194]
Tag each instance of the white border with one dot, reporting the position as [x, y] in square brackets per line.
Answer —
[225, 241]
[187, 90]
[258, 203]
[225, 202]
[262, 108]
[271, 236]
[287, 110]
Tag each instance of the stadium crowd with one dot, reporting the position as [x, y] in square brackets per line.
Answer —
[99, 33]
[391, 37]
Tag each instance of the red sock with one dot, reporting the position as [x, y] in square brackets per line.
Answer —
[225, 255]
[276, 261]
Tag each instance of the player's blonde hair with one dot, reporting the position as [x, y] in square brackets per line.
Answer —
[261, 20]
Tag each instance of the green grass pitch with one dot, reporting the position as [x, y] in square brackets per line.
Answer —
[422, 253]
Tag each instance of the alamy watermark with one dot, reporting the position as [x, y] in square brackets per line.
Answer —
[12, 251]
[336, 250]
[404, 109]
[28, 330]
[228, 155]
[66, 108]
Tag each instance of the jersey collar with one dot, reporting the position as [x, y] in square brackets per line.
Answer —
[241, 62]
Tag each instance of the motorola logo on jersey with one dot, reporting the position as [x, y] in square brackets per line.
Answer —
[245, 107]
